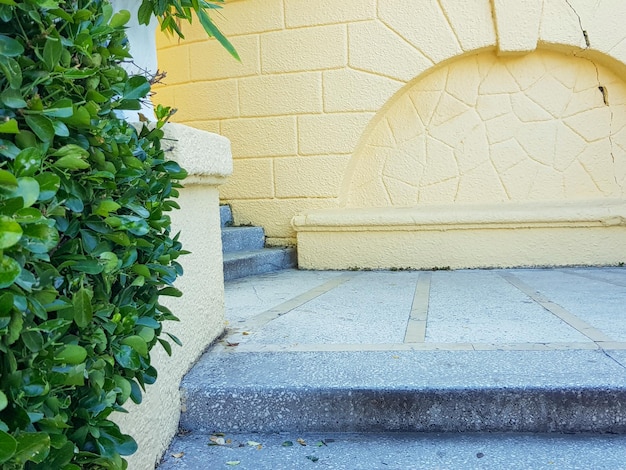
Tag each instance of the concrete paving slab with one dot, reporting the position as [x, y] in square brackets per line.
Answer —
[481, 307]
[244, 298]
[600, 304]
[395, 451]
[370, 308]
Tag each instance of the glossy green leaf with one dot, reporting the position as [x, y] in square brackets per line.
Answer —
[32, 340]
[33, 447]
[8, 149]
[8, 182]
[3, 401]
[12, 98]
[104, 208]
[10, 232]
[71, 162]
[71, 150]
[28, 161]
[71, 354]
[27, 189]
[8, 446]
[41, 126]
[80, 117]
[12, 71]
[61, 109]
[60, 129]
[119, 19]
[137, 343]
[136, 87]
[39, 238]
[9, 47]
[128, 358]
[52, 52]
[49, 184]
[83, 311]
[9, 127]
[110, 262]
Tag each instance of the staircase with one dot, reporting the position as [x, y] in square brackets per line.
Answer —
[245, 253]
[329, 371]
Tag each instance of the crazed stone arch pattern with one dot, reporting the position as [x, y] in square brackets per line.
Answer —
[484, 128]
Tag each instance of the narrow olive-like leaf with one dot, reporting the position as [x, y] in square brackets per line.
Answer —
[10, 47]
[10, 232]
[41, 126]
[9, 127]
[214, 31]
[83, 311]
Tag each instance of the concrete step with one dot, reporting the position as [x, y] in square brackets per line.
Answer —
[395, 451]
[242, 239]
[407, 391]
[247, 263]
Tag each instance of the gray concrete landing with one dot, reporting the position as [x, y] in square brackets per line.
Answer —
[401, 357]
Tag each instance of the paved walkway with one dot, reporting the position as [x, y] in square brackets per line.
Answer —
[514, 309]
[318, 367]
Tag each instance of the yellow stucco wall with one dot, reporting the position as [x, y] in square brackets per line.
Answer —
[200, 310]
[392, 103]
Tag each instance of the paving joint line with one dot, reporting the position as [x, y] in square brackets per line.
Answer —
[243, 348]
[416, 325]
[594, 278]
[572, 320]
[258, 321]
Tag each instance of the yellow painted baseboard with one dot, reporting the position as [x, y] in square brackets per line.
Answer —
[464, 236]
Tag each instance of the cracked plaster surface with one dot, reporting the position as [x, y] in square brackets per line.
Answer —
[544, 126]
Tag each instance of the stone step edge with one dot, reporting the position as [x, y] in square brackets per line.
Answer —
[483, 409]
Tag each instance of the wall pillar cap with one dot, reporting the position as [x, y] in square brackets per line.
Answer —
[206, 156]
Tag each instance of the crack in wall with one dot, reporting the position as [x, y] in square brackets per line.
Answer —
[603, 89]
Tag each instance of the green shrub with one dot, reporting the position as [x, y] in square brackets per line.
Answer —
[85, 243]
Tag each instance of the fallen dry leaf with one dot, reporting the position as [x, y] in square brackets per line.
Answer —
[178, 455]
[229, 344]
[301, 441]
[217, 440]
[245, 333]
[233, 462]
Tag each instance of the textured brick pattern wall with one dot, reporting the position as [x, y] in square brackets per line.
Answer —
[318, 76]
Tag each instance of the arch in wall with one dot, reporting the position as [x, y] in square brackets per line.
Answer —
[488, 128]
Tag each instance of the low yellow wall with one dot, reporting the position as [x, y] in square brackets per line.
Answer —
[321, 81]
[201, 308]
